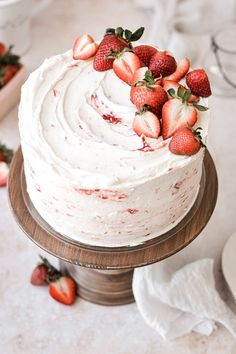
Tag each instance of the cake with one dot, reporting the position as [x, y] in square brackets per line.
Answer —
[98, 171]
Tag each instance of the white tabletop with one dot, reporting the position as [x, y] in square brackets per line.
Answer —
[31, 322]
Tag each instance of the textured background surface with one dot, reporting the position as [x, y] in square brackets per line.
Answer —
[30, 321]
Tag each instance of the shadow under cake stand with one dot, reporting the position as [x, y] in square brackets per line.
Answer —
[104, 274]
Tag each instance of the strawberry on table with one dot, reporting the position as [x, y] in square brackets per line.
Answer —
[63, 290]
[144, 52]
[178, 112]
[4, 171]
[84, 47]
[114, 40]
[198, 82]
[148, 92]
[125, 64]
[162, 64]
[146, 123]
[2, 49]
[181, 70]
[186, 141]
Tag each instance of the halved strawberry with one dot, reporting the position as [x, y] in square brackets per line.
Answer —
[186, 141]
[115, 40]
[170, 84]
[63, 290]
[198, 82]
[146, 123]
[176, 114]
[144, 52]
[84, 47]
[139, 74]
[4, 170]
[148, 92]
[182, 68]
[125, 65]
[162, 64]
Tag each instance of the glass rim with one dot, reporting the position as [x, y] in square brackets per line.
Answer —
[219, 32]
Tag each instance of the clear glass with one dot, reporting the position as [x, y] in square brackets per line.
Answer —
[220, 61]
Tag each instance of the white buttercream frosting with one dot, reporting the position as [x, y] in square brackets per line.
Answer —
[88, 174]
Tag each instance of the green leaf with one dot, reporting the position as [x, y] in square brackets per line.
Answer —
[119, 32]
[171, 92]
[128, 34]
[187, 95]
[200, 107]
[137, 34]
[181, 92]
[149, 78]
[150, 87]
[139, 83]
[110, 31]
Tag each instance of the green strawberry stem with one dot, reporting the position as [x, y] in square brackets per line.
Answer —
[7, 153]
[126, 34]
[148, 81]
[54, 274]
[10, 58]
[197, 134]
[184, 95]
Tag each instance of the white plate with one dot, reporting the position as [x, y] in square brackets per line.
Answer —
[229, 263]
[10, 93]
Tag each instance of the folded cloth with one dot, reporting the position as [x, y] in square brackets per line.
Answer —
[176, 303]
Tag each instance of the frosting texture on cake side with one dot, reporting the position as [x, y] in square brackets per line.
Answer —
[88, 174]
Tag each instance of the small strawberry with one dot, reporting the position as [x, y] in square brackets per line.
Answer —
[170, 84]
[40, 275]
[178, 112]
[6, 154]
[182, 68]
[148, 92]
[162, 64]
[146, 123]
[63, 290]
[186, 141]
[7, 73]
[198, 82]
[2, 49]
[4, 171]
[114, 40]
[125, 65]
[84, 47]
[144, 52]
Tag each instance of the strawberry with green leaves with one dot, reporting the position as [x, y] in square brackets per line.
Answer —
[186, 141]
[9, 65]
[178, 112]
[6, 155]
[115, 40]
[148, 92]
[61, 288]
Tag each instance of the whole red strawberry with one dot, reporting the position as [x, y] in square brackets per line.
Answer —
[144, 52]
[186, 141]
[115, 40]
[198, 82]
[39, 275]
[148, 92]
[162, 64]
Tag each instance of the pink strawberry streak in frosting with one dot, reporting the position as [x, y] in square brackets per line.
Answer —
[103, 194]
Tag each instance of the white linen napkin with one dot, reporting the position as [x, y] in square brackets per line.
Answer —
[176, 303]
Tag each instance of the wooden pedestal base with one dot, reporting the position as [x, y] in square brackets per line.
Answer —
[104, 274]
[104, 287]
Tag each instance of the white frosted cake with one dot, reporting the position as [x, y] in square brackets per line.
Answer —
[90, 173]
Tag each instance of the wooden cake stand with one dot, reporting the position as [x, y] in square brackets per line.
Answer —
[104, 274]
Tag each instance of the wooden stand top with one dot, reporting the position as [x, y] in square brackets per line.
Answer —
[120, 257]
